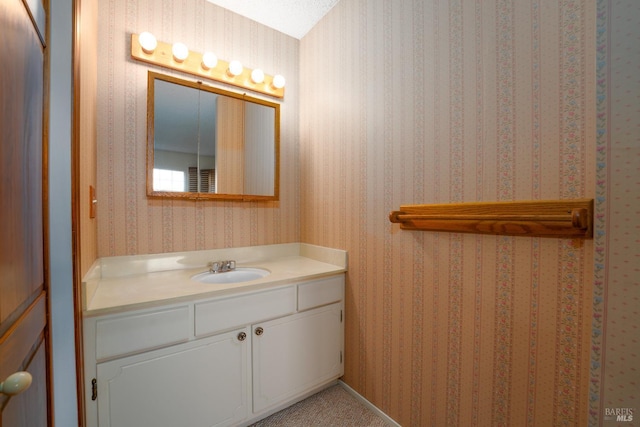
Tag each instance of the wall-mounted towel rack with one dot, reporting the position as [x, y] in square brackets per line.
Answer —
[546, 218]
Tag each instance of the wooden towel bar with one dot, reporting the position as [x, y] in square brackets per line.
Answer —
[545, 218]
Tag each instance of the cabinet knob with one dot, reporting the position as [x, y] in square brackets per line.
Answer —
[16, 383]
[242, 336]
[259, 331]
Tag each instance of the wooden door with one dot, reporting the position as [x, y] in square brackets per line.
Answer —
[23, 291]
[230, 146]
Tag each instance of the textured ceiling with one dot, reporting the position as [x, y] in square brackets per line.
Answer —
[292, 17]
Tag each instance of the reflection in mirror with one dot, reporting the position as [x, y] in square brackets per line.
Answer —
[207, 143]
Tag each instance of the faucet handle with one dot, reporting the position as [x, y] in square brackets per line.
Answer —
[214, 267]
[232, 265]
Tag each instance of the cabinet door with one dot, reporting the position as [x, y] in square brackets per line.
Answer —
[202, 383]
[295, 354]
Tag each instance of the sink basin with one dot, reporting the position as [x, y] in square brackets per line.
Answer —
[239, 275]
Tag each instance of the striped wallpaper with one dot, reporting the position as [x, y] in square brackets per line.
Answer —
[614, 386]
[425, 101]
[130, 223]
[446, 101]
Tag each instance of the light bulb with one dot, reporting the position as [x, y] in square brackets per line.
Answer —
[148, 42]
[209, 60]
[257, 76]
[180, 51]
[235, 68]
[278, 81]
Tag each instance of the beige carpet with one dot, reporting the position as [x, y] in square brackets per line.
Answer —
[333, 407]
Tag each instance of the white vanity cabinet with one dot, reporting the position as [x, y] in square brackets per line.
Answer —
[201, 383]
[223, 361]
[293, 354]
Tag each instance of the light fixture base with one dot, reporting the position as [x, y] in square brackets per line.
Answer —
[163, 56]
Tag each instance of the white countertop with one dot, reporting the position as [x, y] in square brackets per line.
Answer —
[125, 283]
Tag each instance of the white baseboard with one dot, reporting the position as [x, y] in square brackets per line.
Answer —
[369, 405]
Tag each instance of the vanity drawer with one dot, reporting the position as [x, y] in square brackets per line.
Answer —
[227, 313]
[320, 292]
[143, 331]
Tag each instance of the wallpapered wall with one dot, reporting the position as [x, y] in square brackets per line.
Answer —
[87, 164]
[129, 222]
[447, 101]
[426, 101]
[615, 377]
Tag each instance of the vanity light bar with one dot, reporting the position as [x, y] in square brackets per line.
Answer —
[163, 55]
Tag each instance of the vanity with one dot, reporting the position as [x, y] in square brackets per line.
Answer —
[163, 349]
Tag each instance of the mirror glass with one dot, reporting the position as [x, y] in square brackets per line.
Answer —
[208, 143]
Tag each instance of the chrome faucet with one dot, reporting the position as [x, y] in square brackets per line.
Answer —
[221, 266]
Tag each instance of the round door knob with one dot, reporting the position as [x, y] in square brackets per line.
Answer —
[242, 336]
[259, 331]
[16, 383]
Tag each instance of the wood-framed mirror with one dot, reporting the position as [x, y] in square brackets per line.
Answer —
[208, 143]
